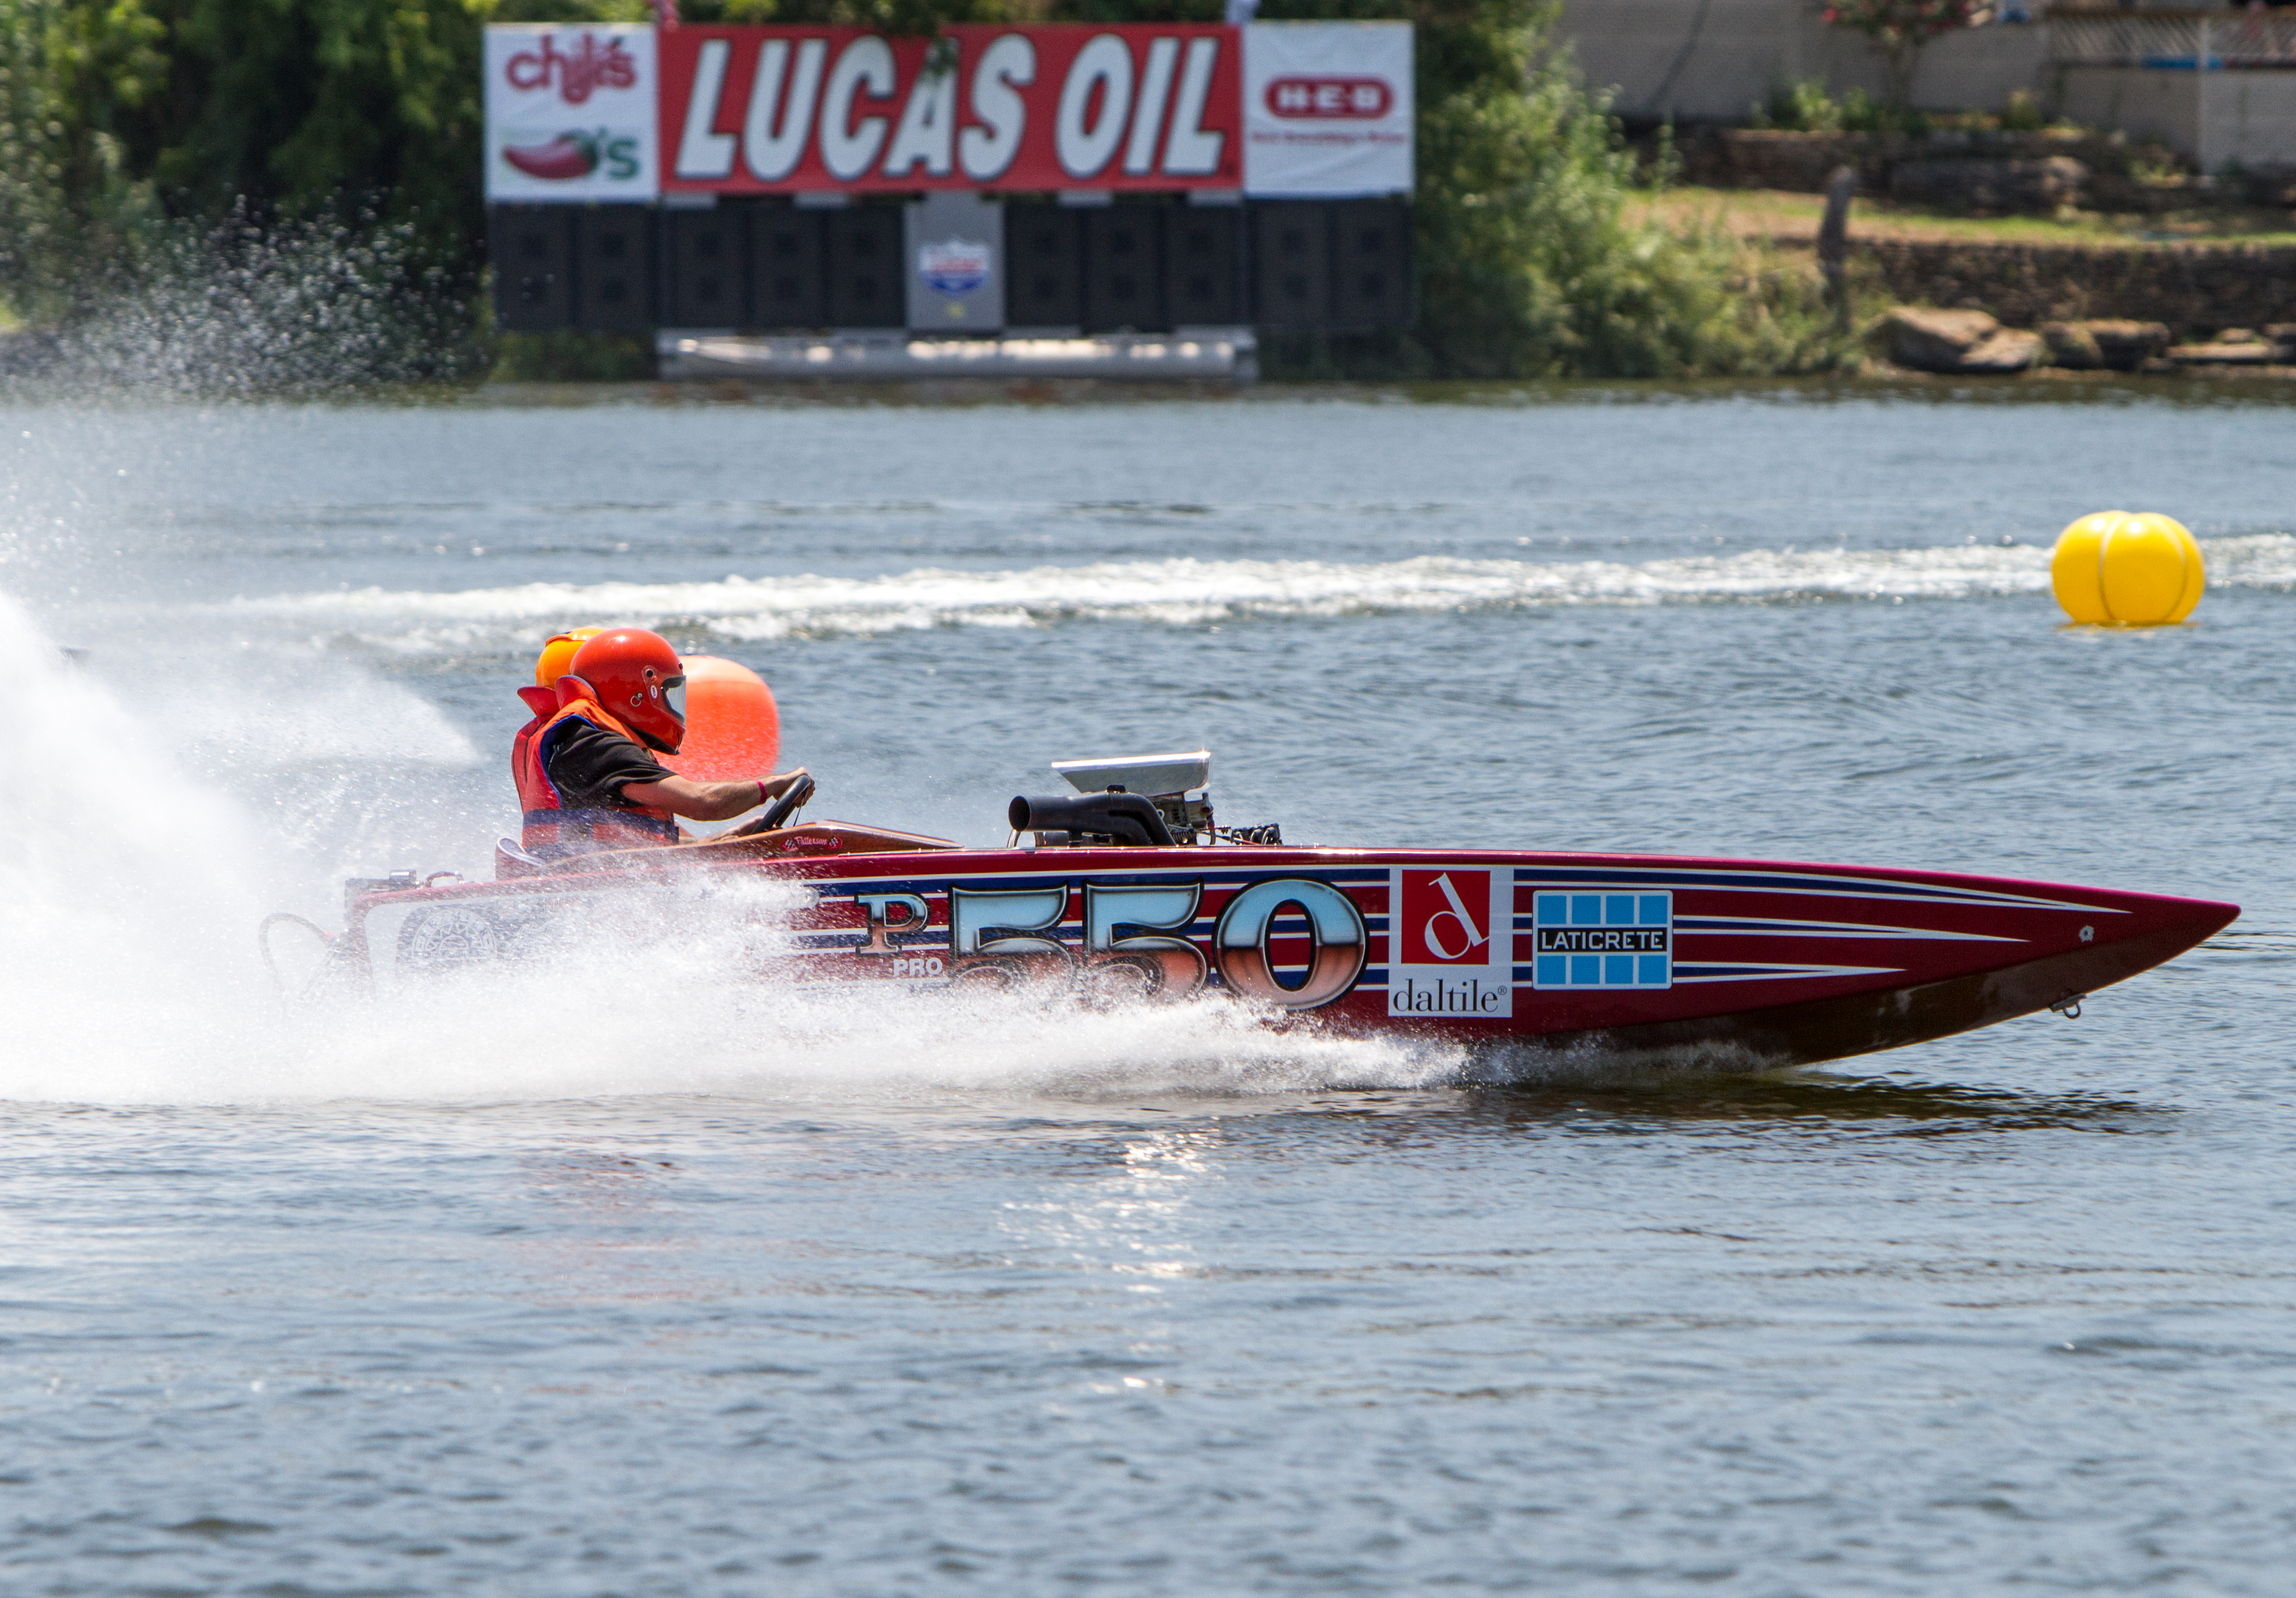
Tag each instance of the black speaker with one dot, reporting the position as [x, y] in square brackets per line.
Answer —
[1291, 263]
[1123, 268]
[865, 286]
[532, 249]
[1201, 288]
[1370, 265]
[1044, 265]
[709, 274]
[613, 268]
[785, 275]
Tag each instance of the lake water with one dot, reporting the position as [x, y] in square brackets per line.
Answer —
[620, 1282]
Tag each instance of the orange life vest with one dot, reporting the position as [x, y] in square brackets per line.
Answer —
[544, 703]
[552, 826]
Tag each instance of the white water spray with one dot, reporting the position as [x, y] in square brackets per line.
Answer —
[123, 880]
[129, 973]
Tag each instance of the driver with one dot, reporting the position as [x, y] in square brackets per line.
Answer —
[587, 778]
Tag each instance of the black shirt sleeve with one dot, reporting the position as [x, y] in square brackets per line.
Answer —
[588, 766]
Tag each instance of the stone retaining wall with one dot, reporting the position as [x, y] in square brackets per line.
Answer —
[1766, 159]
[2196, 290]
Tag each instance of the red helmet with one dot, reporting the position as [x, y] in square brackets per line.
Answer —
[637, 679]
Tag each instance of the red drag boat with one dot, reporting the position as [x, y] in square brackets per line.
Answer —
[1129, 888]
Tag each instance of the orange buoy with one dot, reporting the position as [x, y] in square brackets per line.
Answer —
[733, 729]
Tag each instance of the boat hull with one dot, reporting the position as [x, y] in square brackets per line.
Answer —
[1765, 964]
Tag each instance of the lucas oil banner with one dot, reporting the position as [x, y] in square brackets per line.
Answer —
[776, 110]
[821, 110]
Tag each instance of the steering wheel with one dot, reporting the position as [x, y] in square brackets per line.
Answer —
[778, 813]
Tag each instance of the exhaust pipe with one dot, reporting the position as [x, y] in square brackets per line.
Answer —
[1122, 818]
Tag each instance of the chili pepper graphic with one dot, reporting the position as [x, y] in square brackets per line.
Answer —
[566, 156]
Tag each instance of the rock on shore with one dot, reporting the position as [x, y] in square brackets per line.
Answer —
[1958, 341]
[2110, 343]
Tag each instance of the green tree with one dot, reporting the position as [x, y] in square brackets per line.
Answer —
[72, 76]
[369, 107]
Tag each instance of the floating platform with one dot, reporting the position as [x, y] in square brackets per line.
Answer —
[1229, 353]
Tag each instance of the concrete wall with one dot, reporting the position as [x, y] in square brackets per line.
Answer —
[2249, 120]
[1715, 60]
[2130, 99]
[2218, 119]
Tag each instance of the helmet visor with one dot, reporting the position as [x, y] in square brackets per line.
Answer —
[672, 696]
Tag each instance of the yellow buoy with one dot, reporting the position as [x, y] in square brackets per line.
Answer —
[2139, 571]
[557, 656]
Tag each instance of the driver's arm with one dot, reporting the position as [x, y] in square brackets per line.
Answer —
[710, 802]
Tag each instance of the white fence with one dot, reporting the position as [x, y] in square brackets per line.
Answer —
[2220, 87]
[2172, 41]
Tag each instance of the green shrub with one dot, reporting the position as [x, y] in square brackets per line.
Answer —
[1533, 261]
[1802, 106]
[568, 358]
[2023, 113]
[1862, 113]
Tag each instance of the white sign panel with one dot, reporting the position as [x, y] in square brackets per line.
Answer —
[1326, 109]
[956, 280]
[570, 113]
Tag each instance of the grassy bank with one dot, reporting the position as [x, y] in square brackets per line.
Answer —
[1777, 217]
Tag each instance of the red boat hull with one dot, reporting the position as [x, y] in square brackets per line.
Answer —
[1755, 963]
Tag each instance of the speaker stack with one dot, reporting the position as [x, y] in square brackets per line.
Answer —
[1330, 266]
[708, 268]
[613, 268]
[532, 248]
[785, 276]
[1202, 244]
[865, 287]
[1370, 265]
[1044, 265]
[1123, 268]
[1291, 263]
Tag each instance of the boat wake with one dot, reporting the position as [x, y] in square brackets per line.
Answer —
[129, 975]
[1193, 591]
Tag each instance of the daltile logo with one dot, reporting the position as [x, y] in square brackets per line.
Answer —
[1446, 918]
[1451, 942]
[1469, 995]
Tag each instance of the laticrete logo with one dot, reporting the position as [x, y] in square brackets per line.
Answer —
[1602, 939]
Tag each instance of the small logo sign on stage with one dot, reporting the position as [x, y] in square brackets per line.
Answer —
[1356, 98]
[1450, 942]
[954, 266]
[1596, 940]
